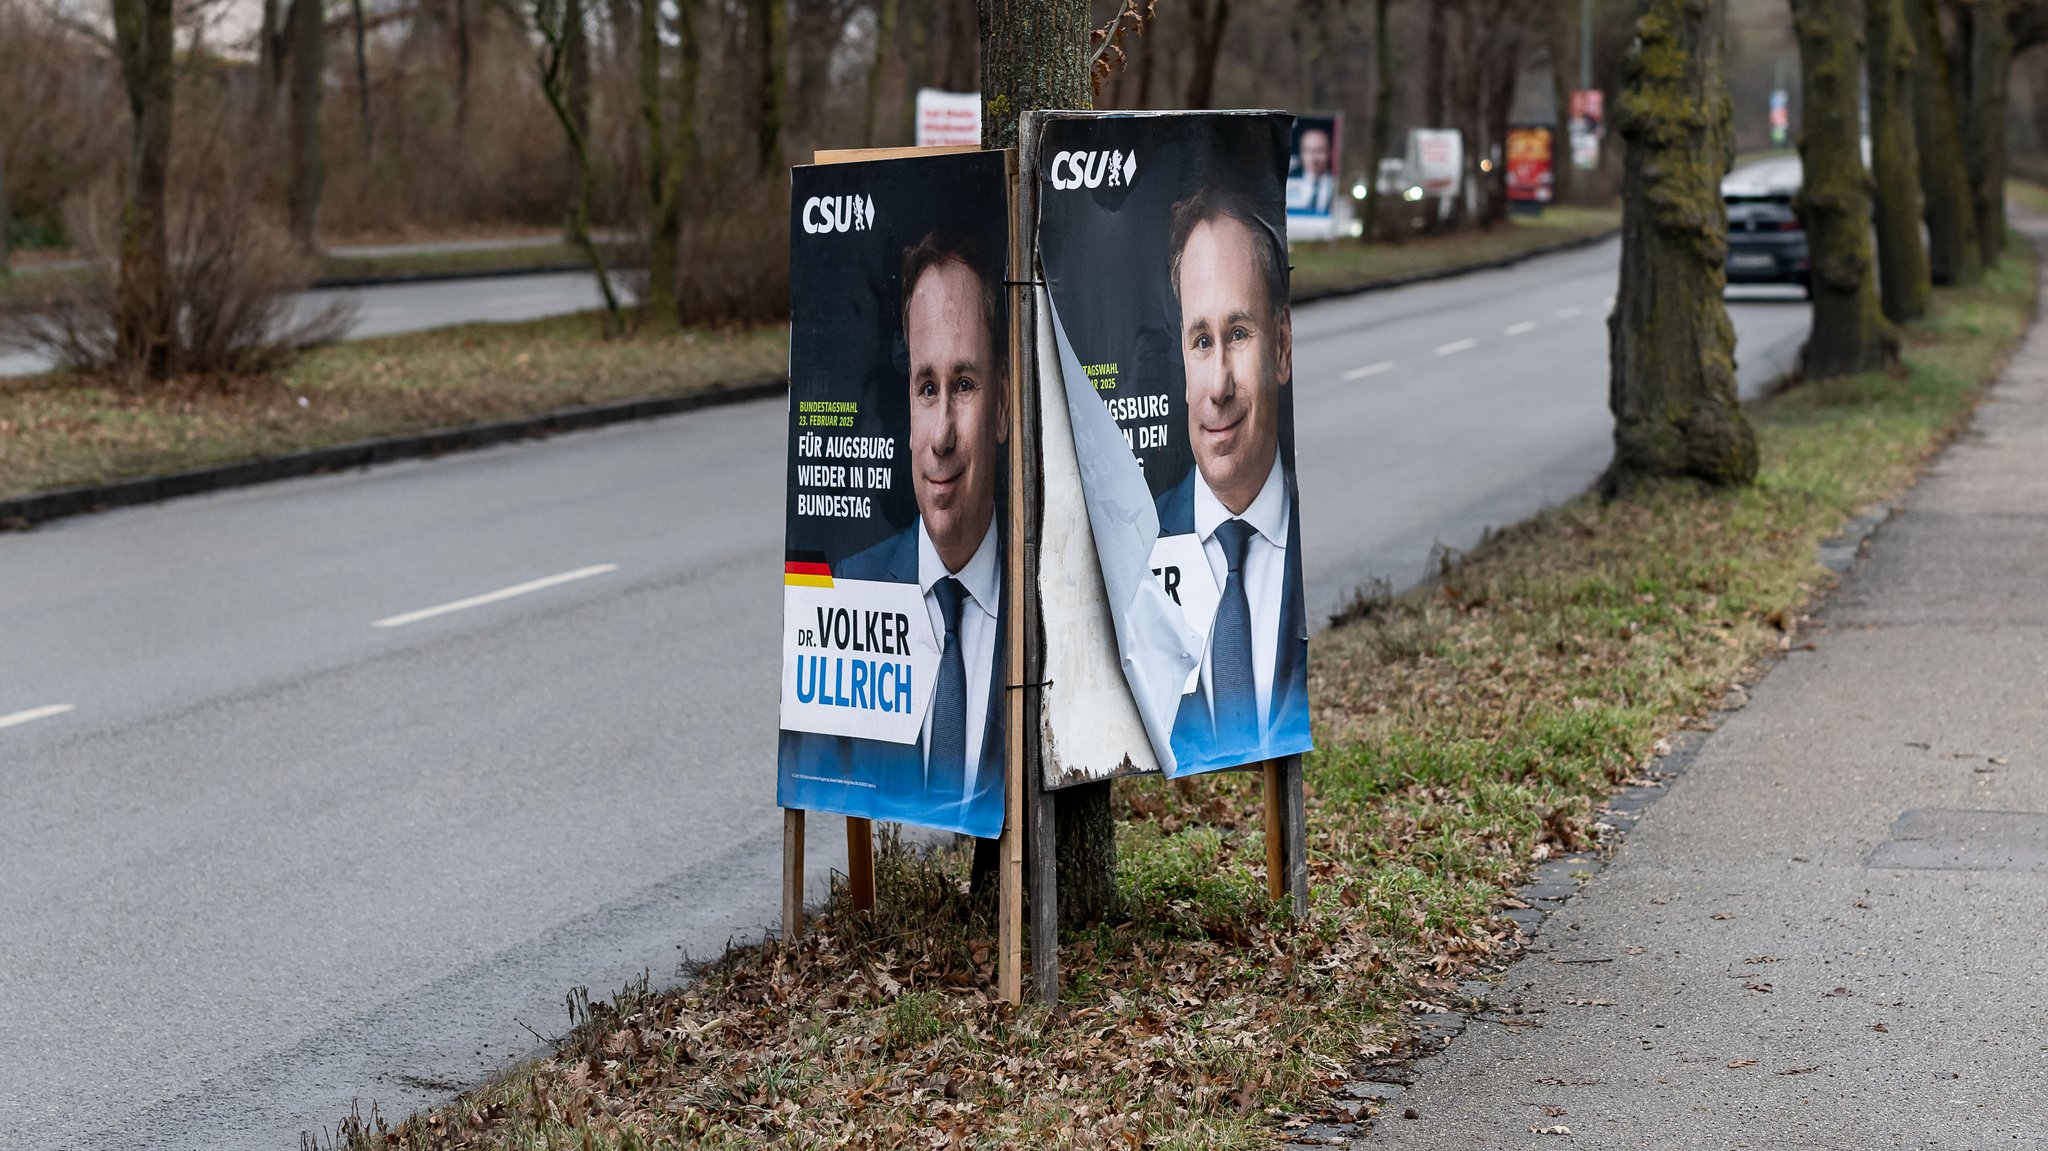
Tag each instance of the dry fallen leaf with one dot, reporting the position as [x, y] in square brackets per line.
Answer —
[1761, 959]
[1763, 987]
[1722, 915]
[1799, 1070]
[1741, 1063]
[1838, 993]
[1997, 760]
[1557, 1129]
[1880, 1027]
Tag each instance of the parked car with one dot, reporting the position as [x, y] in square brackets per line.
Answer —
[1766, 239]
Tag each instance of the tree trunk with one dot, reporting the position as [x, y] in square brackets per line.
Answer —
[1382, 117]
[1953, 256]
[465, 54]
[1988, 45]
[771, 38]
[362, 79]
[663, 178]
[1206, 19]
[309, 72]
[1895, 164]
[1034, 54]
[1671, 345]
[1499, 64]
[5, 268]
[885, 43]
[143, 31]
[1561, 37]
[1438, 47]
[270, 54]
[576, 92]
[558, 24]
[1849, 333]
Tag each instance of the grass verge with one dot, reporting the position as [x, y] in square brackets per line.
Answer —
[58, 430]
[1347, 265]
[1465, 729]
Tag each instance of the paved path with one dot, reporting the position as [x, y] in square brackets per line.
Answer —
[1867, 839]
[278, 857]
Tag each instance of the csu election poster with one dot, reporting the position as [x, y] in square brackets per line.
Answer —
[893, 596]
[1162, 238]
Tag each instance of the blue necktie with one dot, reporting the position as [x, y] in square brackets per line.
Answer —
[946, 773]
[1233, 692]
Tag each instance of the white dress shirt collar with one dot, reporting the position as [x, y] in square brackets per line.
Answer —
[980, 577]
[1267, 514]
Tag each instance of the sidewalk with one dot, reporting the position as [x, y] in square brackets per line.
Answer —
[1833, 931]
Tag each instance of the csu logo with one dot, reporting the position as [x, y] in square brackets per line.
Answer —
[1093, 169]
[838, 214]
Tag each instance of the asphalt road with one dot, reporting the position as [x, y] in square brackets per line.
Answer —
[276, 857]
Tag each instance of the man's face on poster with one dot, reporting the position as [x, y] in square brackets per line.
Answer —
[1237, 347]
[959, 410]
[1315, 152]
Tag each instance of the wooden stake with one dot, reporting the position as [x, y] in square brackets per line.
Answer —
[792, 874]
[1276, 834]
[1010, 851]
[860, 862]
[1293, 802]
[1027, 500]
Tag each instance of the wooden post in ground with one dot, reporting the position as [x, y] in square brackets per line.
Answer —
[1010, 850]
[1294, 805]
[1276, 833]
[792, 874]
[860, 862]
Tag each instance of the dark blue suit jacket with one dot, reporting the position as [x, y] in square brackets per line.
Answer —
[1196, 745]
[886, 780]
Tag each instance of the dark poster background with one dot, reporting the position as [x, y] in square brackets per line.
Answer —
[1109, 276]
[846, 317]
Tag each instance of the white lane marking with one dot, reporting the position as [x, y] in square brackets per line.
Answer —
[1518, 329]
[1568, 313]
[35, 713]
[503, 593]
[1369, 370]
[1456, 346]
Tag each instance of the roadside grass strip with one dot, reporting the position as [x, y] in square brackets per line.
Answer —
[1467, 729]
[57, 430]
[1347, 265]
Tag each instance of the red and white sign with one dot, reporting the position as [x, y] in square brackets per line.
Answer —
[948, 119]
[1436, 160]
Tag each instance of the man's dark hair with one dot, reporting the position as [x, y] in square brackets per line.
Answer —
[940, 248]
[1214, 202]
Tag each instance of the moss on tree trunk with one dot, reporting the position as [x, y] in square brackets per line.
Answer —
[1671, 346]
[1903, 278]
[1849, 333]
[1953, 256]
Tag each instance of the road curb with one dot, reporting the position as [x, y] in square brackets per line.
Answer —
[22, 512]
[1457, 270]
[393, 279]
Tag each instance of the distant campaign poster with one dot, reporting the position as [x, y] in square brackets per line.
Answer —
[1162, 238]
[1312, 167]
[893, 596]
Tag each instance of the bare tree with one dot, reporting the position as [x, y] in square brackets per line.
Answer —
[362, 77]
[309, 76]
[143, 309]
[1206, 20]
[557, 23]
[663, 163]
[1986, 36]
[1382, 116]
[1671, 345]
[1953, 255]
[1903, 278]
[769, 30]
